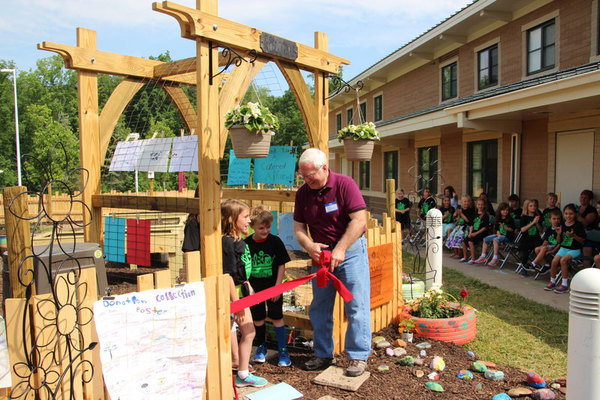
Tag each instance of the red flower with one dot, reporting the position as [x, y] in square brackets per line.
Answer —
[463, 294]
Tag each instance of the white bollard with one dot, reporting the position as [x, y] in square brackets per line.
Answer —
[583, 366]
[433, 255]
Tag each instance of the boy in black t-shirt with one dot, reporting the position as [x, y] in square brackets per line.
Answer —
[551, 200]
[403, 212]
[515, 208]
[268, 269]
[426, 203]
[549, 241]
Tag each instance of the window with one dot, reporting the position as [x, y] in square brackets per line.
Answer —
[541, 47]
[364, 176]
[449, 81]
[427, 158]
[487, 61]
[349, 113]
[390, 166]
[483, 168]
[338, 121]
[363, 113]
[378, 108]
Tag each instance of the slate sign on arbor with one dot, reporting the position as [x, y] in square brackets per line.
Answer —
[381, 267]
[278, 46]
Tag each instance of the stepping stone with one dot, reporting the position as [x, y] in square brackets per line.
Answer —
[335, 377]
[519, 392]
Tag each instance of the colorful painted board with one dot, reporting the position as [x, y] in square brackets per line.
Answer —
[239, 170]
[286, 231]
[278, 167]
[154, 155]
[125, 156]
[114, 239]
[381, 266]
[184, 156]
[138, 242]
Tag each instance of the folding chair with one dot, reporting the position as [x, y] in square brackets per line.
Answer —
[511, 249]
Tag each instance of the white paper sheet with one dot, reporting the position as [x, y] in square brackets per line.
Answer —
[153, 343]
[184, 156]
[154, 155]
[125, 156]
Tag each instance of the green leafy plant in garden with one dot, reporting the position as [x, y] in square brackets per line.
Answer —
[433, 304]
[365, 130]
[254, 117]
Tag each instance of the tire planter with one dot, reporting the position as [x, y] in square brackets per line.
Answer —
[248, 144]
[459, 330]
[413, 290]
[359, 150]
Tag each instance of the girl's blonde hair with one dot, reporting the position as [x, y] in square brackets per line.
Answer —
[526, 206]
[260, 215]
[230, 211]
[466, 196]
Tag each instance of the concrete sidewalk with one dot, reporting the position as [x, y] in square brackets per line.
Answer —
[508, 280]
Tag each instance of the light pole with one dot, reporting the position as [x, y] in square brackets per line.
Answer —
[14, 72]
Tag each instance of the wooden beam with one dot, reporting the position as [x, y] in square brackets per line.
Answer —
[233, 92]
[305, 102]
[198, 24]
[183, 104]
[186, 67]
[321, 104]
[503, 16]
[89, 139]
[495, 125]
[113, 109]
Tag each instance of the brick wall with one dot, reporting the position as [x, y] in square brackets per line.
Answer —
[534, 158]
[451, 161]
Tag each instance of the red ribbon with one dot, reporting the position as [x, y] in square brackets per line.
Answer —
[323, 276]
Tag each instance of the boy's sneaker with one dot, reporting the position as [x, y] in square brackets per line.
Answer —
[561, 289]
[493, 263]
[481, 260]
[261, 354]
[251, 380]
[550, 286]
[462, 260]
[284, 358]
[471, 262]
[544, 269]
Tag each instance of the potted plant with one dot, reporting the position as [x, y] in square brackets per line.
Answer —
[251, 127]
[406, 327]
[437, 317]
[359, 141]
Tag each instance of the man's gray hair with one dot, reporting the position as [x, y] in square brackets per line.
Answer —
[315, 156]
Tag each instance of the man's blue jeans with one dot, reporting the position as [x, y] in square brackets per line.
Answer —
[354, 274]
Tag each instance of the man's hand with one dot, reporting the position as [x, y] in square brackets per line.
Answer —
[314, 251]
[337, 257]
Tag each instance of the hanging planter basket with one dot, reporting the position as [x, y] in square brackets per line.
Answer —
[359, 150]
[248, 144]
[459, 330]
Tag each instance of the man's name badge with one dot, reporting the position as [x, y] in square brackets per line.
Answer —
[331, 207]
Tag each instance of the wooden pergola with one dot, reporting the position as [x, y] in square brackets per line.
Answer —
[210, 32]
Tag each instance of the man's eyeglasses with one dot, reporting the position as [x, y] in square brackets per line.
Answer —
[310, 175]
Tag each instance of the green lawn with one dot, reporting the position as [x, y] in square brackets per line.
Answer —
[511, 329]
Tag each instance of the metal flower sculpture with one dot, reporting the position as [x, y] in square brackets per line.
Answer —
[55, 354]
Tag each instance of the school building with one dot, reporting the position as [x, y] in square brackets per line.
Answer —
[503, 96]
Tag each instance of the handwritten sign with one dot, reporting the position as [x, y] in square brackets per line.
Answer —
[125, 156]
[154, 155]
[239, 170]
[153, 343]
[278, 167]
[286, 231]
[381, 267]
[184, 156]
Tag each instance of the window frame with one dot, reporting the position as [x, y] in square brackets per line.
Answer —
[378, 107]
[349, 116]
[490, 66]
[394, 173]
[484, 169]
[595, 28]
[362, 107]
[421, 181]
[338, 121]
[364, 177]
[543, 48]
[450, 64]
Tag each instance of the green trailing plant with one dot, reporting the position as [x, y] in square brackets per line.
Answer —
[254, 117]
[407, 324]
[434, 303]
[366, 130]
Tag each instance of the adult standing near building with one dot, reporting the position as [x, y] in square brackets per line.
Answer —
[333, 208]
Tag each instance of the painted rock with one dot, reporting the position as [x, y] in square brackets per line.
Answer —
[471, 355]
[423, 345]
[399, 352]
[418, 373]
[383, 368]
[434, 376]
[519, 392]
[407, 361]
[436, 387]
[465, 374]
[536, 381]
[555, 385]
[423, 353]
[488, 364]
[543, 394]
[478, 386]
[399, 343]
[389, 352]
[419, 361]
[479, 367]
[494, 374]
[561, 382]
[501, 396]
[437, 363]
[378, 339]
[383, 345]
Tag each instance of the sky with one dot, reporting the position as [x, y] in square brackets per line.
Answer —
[361, 31]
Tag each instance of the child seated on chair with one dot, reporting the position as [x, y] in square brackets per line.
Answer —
[551, 200]
[447, 216]
[571, 238]
[504, 228]
[515, 208]
[269, 257]
[478, 231]
[531, 228]
[549, 241]
[464, 219]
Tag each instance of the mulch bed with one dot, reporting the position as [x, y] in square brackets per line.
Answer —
[399, 382]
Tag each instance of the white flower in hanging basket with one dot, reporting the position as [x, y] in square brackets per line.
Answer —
[366, 130]
[254, 117]
[359, 141]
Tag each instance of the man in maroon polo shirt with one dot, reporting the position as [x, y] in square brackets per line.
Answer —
[333, 208]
